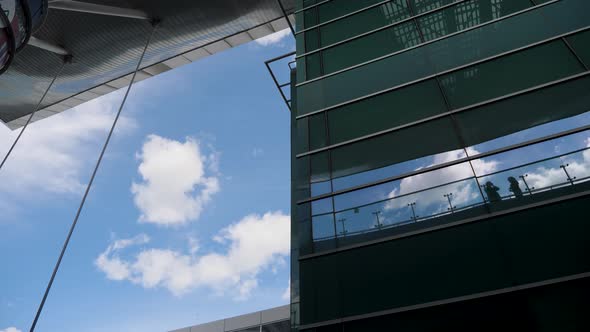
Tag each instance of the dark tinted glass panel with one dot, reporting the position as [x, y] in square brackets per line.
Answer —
[466, 15]
[312, 40]
[365, 21]
[421, 6]
[283, 326]
[524, 111]
[457, 50]
[581, 45]
[370, 47]
[385, 111]
[511, 73]
[406, 144]
[314, 67]
[302, 135]
[317, 131]
[337, 8]
[320, 170]
[311, 17]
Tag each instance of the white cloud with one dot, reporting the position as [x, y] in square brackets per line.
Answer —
[113, 266]
[11, 329]
[545, 177]
[253, 244]
[274, 38]
[177, 181]
[463, 191]
[53, 154]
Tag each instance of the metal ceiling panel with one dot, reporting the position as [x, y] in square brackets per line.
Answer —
[105, 48]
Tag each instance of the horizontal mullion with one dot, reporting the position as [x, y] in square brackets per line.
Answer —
[428, 42]
[534, 162]
[444, 72]
[311, 6]
[441, 115]
[450, 163]
[473, 178]
[406, 194]
[344, 16]
[385, 27]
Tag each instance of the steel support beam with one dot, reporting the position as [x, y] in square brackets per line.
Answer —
[85, 7]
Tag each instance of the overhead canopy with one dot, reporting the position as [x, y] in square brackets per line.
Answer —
[105, 48]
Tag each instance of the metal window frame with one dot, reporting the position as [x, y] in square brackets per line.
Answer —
[311, 6]
[429, 42]
[364, 34]
[451, 163]
[353, 13]
[474, 177]
[425, 230]
[434, 76]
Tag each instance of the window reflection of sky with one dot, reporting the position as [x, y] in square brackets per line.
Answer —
[537, 168]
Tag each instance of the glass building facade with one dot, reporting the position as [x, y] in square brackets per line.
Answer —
[440, 158]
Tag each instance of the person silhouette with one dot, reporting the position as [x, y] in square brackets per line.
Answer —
[492, 192]
[515, 187]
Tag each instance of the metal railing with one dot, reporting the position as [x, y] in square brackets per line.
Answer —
[458, 196]
[281, 86]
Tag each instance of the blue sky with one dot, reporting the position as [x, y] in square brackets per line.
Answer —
[188, 219]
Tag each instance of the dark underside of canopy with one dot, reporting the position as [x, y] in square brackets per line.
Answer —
[106, 48]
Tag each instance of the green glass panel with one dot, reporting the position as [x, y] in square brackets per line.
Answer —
[581, 44]
[523, 29]
[314, 66]
[317, 131]
[312, 40]
[365, 21]
[421, 6]
[320, 170]
[517, 113]
[300, 43]
[370, 47]
[302, 136]
[301, 70]
[406, 144]
[511, 73]
[336, 8]
[310, 17]
[466, 15]
[299, 20]
[385, 111]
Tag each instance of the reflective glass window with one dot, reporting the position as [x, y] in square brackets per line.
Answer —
[511, 73]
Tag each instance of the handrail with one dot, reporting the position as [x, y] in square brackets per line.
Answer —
[450, 163]
[466, 179]
[529, 191]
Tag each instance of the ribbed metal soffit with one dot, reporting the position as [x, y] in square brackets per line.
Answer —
[105, 49]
